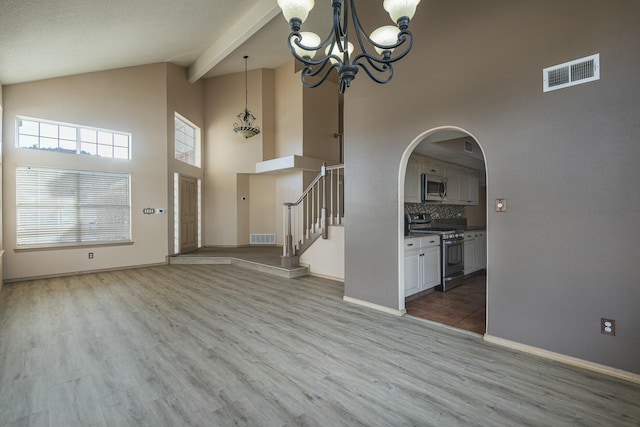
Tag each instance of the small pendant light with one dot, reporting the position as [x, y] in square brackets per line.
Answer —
[245, 127]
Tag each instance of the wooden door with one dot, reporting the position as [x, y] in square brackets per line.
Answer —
[188, 214]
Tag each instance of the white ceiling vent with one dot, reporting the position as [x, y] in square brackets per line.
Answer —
[468, 146]
[571, 73]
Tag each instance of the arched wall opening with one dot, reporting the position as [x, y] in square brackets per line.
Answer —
[428, 137]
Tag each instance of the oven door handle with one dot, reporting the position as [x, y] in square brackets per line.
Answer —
[453, 242]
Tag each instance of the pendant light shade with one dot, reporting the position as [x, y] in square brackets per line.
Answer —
[400, 8]
[296, 10]
[246, 128]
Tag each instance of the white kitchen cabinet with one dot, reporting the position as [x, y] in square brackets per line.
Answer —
[474, 188]
[463, 186]
[430, 266]
[433, 167]
[475, 251]
[412, 180]
[412, 267]
[469, 253]
[452, 174]
[468, 187]
[421, 264]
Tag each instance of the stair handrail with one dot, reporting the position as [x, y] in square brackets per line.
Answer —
[290, 256]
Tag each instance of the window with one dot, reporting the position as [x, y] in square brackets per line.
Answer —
[65, 207]
[187, 141]
[66, 138]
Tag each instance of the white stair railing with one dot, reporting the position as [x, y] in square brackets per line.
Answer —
[321, 205]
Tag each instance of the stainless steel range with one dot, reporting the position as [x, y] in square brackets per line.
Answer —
[451, 248]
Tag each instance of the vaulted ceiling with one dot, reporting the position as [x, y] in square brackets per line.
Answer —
[42, 39]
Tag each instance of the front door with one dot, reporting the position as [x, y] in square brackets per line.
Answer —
[188, 214]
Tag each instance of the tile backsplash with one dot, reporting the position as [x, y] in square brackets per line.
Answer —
[442, 215]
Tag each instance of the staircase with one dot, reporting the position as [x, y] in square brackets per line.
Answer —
[320, 206]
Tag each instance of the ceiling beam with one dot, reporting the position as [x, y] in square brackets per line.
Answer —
[245, 27]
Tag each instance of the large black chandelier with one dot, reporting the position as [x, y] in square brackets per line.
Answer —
[337, 48]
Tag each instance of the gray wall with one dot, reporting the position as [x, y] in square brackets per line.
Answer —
[565, 254]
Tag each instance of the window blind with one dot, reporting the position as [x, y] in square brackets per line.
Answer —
[64, 207]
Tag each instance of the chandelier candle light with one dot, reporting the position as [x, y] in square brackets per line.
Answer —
[338, 50]
[246, 127]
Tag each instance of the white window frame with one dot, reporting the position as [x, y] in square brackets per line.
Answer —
[61, 207]
[87, 140]
[184, 139]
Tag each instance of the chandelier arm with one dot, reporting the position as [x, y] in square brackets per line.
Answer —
[339, 28]
[385, 67]
[404, 36]
[306, 73]
[359, 30]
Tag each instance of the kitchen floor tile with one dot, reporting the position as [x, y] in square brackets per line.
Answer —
[463, 307]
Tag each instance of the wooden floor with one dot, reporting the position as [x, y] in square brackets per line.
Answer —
[216, 345]
[463, 307]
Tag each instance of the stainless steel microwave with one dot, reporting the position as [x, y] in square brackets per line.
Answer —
[433, 188]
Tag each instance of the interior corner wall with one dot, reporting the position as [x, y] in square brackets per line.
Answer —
[320, 122]
[1, 235]
[243, 209]
[288, 111]
[227, 154]
[564, 254]
[186, 99]
[127, 99]
[262, 204]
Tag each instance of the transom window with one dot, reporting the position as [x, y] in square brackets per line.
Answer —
[67, 138]
[187, 141]
[57, 207]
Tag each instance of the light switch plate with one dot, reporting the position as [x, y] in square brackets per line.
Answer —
[501, 205]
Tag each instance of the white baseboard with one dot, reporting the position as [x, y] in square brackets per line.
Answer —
[569, 360]
[322, 276]
[373, 306]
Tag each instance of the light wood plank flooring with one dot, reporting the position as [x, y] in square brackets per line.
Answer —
[216, 345]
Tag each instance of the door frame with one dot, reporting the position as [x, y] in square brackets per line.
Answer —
[178, 211]
[402, 170]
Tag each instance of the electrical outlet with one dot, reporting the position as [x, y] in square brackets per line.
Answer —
[90, 255]
[608, 326]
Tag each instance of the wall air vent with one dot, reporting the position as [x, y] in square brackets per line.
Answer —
[571, 73]
[262, 239]
[468, 146]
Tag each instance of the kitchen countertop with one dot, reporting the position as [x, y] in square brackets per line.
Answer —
[416, 235]
[465, 229]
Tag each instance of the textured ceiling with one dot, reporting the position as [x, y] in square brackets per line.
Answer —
[50, 38]
[42, 39]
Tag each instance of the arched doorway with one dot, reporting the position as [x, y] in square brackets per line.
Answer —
[455, 294]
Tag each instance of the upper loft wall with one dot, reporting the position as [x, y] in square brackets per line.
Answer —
[306, 119]
[127, 99]
[289, 111]
[320, 122]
